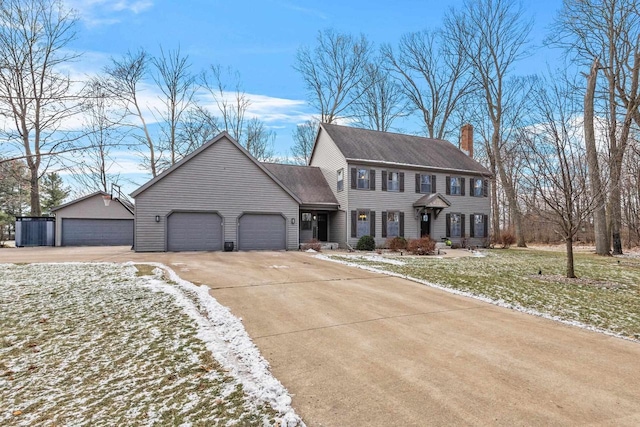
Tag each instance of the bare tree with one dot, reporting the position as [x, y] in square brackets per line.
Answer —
[259, 140]
[608, 31]
[178, 87]
[493, 36]
[333, 72]
[34, 95]
[304, 136]
[432, 72]
[197, 126]
[124, 78]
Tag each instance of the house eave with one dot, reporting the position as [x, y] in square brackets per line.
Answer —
[383, 163]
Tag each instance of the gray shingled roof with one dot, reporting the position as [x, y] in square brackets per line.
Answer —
[306, 182]
[387, 147]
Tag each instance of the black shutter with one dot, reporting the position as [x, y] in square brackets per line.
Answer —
[472, 181]
[384, 224]
[372, 179]
[401, 224]
[372, 222]
[417, 183]
[448, 185]
[462, 187]
[354, 177]
[354, 223]
[462, 225]
[486, 225]
[486, 188]
[471, 225]
[433, 183]
[448, 225]
[384, 182]
[402, 182]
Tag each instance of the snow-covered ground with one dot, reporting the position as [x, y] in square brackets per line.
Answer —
[97, 344]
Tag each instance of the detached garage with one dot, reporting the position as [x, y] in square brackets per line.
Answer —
[94, 220]
[218, 196]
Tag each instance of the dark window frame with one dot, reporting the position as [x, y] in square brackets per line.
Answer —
[340, 182]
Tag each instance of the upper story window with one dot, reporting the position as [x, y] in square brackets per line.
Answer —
[363, 179]
[393, 181]
[425, 183]
[478, 187]
[456, 186]
[340, 179]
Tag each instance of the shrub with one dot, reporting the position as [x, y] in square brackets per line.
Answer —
[396, 243]
[507, 238]
[421, 246]
[311, 244]
[366, 243]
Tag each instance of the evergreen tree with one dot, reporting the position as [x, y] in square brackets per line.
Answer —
[53, 192]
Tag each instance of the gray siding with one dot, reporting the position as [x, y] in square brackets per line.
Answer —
[329, 159]
[379, 201]
[91, 208]
[220, 178]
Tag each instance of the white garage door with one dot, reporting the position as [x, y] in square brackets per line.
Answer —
[97, 232]
[194, 231]
[262, 232]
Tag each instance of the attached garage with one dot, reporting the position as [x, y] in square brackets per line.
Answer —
[194, 231]
[94, 220]
[258, 231]
[96, 232]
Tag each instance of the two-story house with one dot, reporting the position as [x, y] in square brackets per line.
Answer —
[359, 182]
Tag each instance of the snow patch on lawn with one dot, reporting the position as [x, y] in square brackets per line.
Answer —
[229, 342]
[498, 302]
[372, 258]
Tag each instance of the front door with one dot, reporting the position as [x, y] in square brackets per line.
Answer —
[425, 224]
[323, 234]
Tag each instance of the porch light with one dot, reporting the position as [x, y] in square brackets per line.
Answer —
[293, 221]
[315, 217]
[157, 218]
[362, 216]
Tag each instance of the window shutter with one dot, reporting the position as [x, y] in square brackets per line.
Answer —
[417, 183]
[372, 179]
[448, 185]
[384, 224]
[401, 224]
[354, 223]
[472, 182]
[402, 182]
[372, 223]
[462, 187]
[462, 225]
[486, 188]
[354, 177]
[384, 181]
[486, 225]
[471, 225]
[433, 183]
[448, 225]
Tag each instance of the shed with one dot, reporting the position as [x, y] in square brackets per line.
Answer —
[90, 221]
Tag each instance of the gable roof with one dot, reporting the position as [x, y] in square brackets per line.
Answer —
[124, 204]
[435, 200]
[358, 144]
[307, 182]
[203, 147]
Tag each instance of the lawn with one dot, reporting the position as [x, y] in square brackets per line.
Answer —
[605, 297]
[114, 344]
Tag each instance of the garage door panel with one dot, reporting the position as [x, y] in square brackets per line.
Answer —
[262, 232]
[97, 232]
[194, 231]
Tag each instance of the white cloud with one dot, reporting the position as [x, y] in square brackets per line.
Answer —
[107, 12]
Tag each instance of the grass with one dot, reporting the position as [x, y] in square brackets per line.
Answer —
[606, 295]
[89, 344]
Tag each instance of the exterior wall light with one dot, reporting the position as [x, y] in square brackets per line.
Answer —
[293, 221]
[157, 218]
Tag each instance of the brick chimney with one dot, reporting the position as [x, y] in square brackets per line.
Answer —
[466, 139]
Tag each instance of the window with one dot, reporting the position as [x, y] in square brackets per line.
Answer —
[363, 228]
[340, 179]
[393, 224]
[456, 224]
[363, 179]
[456, 186]
[393, 181]
[478, 187]
[425, 183]
[306, 221]
[478, 225]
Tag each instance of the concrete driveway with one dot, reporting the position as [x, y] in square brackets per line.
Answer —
[361, 349]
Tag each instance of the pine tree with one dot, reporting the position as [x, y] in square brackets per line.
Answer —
[53, 192]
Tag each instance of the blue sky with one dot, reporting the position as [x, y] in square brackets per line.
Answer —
[259, 39]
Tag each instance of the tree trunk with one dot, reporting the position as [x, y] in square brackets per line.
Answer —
[599, 214]
[35, 193]
[570, 268]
